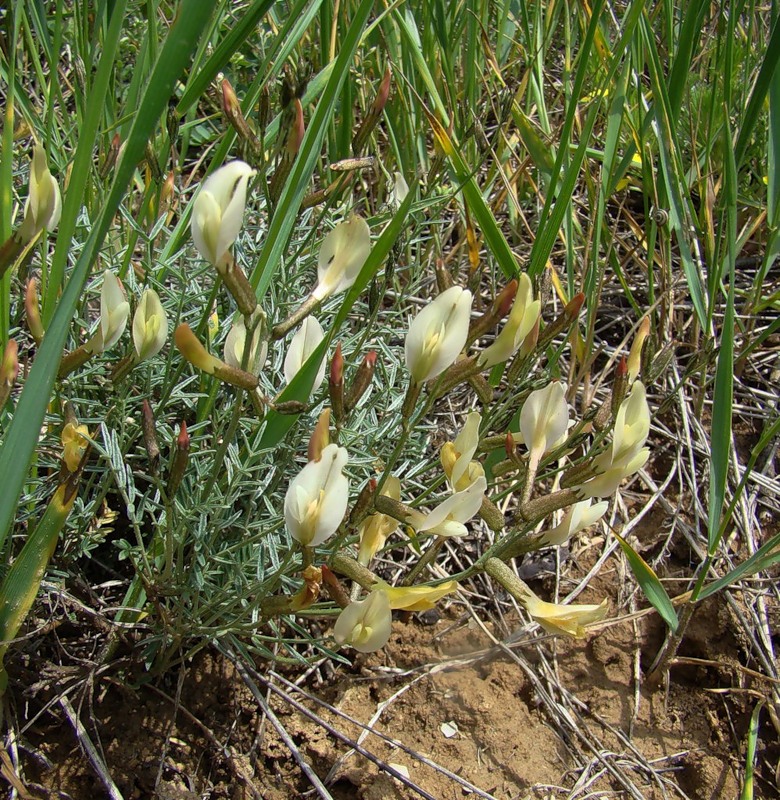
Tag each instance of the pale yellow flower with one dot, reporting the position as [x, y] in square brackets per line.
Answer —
[44, 203]
[365, 625]
[342, 255]
[74, 444]
[150, 325]
[438, 334]
[317, 498]
[377, 527]
[415, 598]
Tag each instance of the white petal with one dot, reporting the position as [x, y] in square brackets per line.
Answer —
[466, 444]
[544, 417]
[366, 624]
[438, 333]
[342, 255]
[150, 325]
[303, 344]
[206, 219]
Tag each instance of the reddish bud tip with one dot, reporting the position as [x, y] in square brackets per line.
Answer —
[230, 102]
[337, 367]
[622, 367]
[506, 297]
[510, 446]
[9, 368]
[183, 439]
[383, 92]
[574, 305]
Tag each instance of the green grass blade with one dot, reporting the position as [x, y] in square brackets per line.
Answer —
[750, 754]
[82, 164]
[649, 583]
[723, 397]
[220, 58]
[767, 78]
[673, 173]
[22, 581]
[286, 213]
[22, 434]
[765, 557]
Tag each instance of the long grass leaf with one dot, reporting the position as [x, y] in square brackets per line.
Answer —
[286, 212]
[23, 432]
[648, 581]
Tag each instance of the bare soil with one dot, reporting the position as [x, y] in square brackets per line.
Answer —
[447, 692]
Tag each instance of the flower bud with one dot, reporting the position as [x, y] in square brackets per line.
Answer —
[437, 334]
[362, 381]
[303, 344]
[635, 354]
[149, 430]
[181, 457]
[342, 255]
[317, 498]
[9, 370]
[235, 344]
[150, 325]
[365, 625]
[191, 348]
[373, 114]
[232, 111]
[619, 385]
[44, 204]
[32, 310]
[336, 383]
[320, 437]
[218, 211]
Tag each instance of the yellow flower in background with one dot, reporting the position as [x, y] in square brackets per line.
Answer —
[438, 334]
[568, 620]
[74, 444]
[44, 203]
[342, 255]
[150, 325]
[218, 211]
[377, 527]
[415, 598]
[365, 625]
